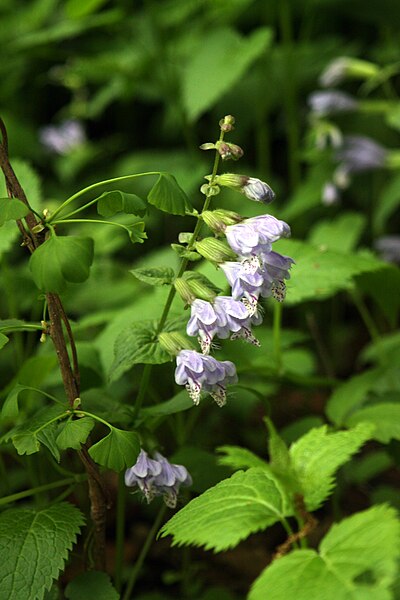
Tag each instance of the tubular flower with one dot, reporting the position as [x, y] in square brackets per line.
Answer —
[360, 153]
[157, 477]
[63, 138]
[142, 474]
[330, 102]
[170, 479]
[243, 279]
[256, 235]
[251, 187]
[201, 373]
[204, 322]
[275, 268]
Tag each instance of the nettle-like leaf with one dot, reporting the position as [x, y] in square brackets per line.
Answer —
[34, 546]
[357, 560]
[384, 416]
[317, 455]
[217, 64]
[167, 195]
[110, 203]
[74, 433]
[92, 584]
[117, 451]
[341, 234]
[229, 512]
[138, 344]
[320, 273]
[154, 275]
[240, 458]
[12, 209]
[60, 260]
[178, 403]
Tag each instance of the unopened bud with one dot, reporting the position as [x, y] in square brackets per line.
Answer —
[201, 290]
[345, 67]
[227, 123]
[251, 187]
[207, 146]
[217, 220]
[215, 250]
[173, 342]
[227, 150]
[209, 190]
[184, 290]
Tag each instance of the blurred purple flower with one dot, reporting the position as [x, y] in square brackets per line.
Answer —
[331, 101]
[330, 194]
[335, 72]
[157, 477]
[359, 153]
[62, 138]
[202, 373]
[388, 247]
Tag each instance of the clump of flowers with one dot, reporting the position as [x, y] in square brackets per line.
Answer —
[252, 269]
[63, 138]
[157, 477]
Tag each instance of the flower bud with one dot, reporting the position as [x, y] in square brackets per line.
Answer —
[217, 220]
[173, 342]
[251, 187]
[227, 123]
[215, 250]
[227, 150]
[207, 146]
[345, 67]
[184, 290]
[201, 290]
[209, 190]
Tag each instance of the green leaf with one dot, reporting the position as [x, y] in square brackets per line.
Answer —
[110, 203]
[12, 209]
[117, 451]
[138, 344]
[385, 417]
[217, 64]
[384, 287]
[229, 512]
[351, 394]
[167, 195]
[92, 584]
[60, 260]
[76, 9]
[25, 436]
[388, 203]
[176, 404]
[317, 455]
[29, 181]
[320, 273]
[74, 433]
[34, 546]
[277, 449]
[341, 234]
[308, 194]
[347, 567]
[10, 407]
[154, 275]
[240, 458]
[47, 437]
[3, 340]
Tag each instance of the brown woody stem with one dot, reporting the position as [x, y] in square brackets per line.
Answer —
[70, 374]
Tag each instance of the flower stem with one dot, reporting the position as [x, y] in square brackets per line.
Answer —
[143, 553]
[120, 528]
[276, 335]
[41, 488]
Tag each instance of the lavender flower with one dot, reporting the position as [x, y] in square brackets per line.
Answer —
[330, 194]
[142, 474]
[157, 477]
[201, 373]
[359, 153]
[251, 187]
[170, 479]
[62, 138]
[256, 235]
[331, 101]
[220, 319]
[245, 279]
[275, 268]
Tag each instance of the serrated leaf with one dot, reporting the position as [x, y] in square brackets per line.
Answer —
[240, 458]
[34, 546]
[3, 340]
[74, 433]
[154, 275]
[221, 59]
[138, 344]
[229, 512]
[60, 260]
[12, 209]
[92, 584]
[347, 567]
[167, 195]
[320, 273]
[110, 203]
[118, 450]
[317, 455]
[385, 417]
[277, 449]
